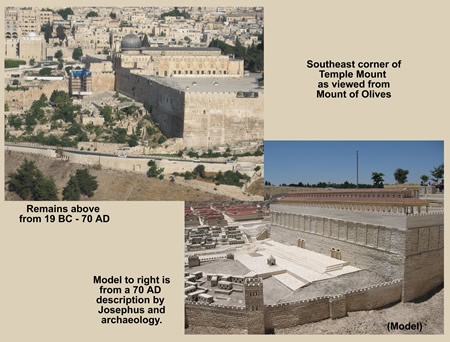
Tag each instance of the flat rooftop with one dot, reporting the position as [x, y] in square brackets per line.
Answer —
[295, 267]
[172, 48]
[211, 84]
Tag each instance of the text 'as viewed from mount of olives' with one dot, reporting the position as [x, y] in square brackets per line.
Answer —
[353, 79]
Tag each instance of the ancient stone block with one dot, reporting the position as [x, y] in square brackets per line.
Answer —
[361, 233]
[334, 228]
[424, 234]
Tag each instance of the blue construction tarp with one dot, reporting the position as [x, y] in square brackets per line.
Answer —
[80, 73]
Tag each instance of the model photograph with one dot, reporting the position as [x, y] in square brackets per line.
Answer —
[349, 240]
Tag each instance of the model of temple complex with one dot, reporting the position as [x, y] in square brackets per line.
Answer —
[389, 231]
[326, 253]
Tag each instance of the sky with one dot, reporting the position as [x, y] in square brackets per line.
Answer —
[335, 161]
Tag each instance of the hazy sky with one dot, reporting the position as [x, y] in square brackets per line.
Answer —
[335, 161]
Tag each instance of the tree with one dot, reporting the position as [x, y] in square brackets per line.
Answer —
[58, 54]
[153, 170]
[45, 72]
[29, 183]
[23, 181]
[438, 173]
[200, 170]
[60, 32]
[47, 29]
[65, 12]
[253, 56]
[401, 176]
[77, 53]
[72, 190]
[106, 112]
[176, 13]
[424, 179]
[133, 141]
[112, 15]
[60, 98]
[239, 49]
[65, 109]
[377, 178]
[145, 42]
[45, 190]
[87, 183]
[32, 61]
[161, 139]
[60, 64]
[68, 70]
[92, 14]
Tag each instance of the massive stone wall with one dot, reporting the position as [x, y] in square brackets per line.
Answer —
[424, 264]
[202, 119]
[166, 104]
[215, 315]
[102, 82]
[374, 297]
[23, 99]
[423, 273]
[413, 250]
[286, 315]
[219, 118]
[367, 246]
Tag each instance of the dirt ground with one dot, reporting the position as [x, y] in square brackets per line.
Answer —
[429, 312]
[257, 187]
[113, 185]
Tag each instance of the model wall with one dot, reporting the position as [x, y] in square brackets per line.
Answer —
[286, 315]
[214, 315]
[424, 272]
[414, 254]
[377, 248]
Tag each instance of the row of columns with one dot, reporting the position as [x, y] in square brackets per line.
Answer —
[395, 209]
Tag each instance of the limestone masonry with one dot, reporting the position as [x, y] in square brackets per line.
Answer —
[193, 93]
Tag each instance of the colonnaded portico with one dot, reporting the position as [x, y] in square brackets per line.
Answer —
[388, 231]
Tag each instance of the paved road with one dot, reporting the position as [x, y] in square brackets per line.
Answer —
[116, 156]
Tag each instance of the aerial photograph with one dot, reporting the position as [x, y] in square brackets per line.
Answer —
[349, 239]
[134, 103]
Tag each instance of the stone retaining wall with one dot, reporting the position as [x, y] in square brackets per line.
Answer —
[286, 315]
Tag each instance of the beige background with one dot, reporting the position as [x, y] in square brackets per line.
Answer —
[46, 278]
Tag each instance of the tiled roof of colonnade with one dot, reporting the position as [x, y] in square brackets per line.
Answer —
[397, 197]
[358, 200]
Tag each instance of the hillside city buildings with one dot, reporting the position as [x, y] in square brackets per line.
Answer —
[157, 56]
[173, 81]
